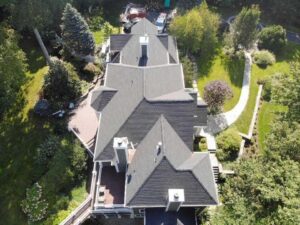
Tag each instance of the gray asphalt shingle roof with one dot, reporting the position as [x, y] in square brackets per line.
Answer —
[157, 54]
[154, 170]
[149, 104]
[144, 27]
[118, 41]
[141, 89]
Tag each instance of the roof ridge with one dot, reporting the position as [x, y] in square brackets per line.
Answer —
[162, 134]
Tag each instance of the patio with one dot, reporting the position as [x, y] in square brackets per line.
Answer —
[84, 123]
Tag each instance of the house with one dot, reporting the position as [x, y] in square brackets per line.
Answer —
[146, 166]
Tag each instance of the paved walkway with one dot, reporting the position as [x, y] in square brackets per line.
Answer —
[219, 122]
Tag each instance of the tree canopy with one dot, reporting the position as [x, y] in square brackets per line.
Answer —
[261, 192]
[243, 31]
[272, 38]
[61, 83]
[12, 68]
[44, 15]
[196, 30]
[77, 37]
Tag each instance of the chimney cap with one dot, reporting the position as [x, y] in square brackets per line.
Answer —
[144, 40]
[176, 195]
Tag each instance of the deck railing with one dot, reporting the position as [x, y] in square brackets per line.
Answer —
[78, 213]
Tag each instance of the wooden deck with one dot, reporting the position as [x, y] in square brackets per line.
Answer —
[114, 184]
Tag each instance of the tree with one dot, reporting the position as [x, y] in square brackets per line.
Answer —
[261, 192]
[283, 140]
[61, 83]
[37, 16]
[77, 37]
[243, 32]
[196, 30]
[284, 11]
[272, 38]
[286, 89]
[12, 68]
[215, 95]
[34, 206]
[228, 143]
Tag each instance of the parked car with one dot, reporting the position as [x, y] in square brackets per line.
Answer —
[133, 13]
[161, 22]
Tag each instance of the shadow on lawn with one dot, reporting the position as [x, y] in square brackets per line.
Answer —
[18, 141]
[33, 53]
[205, 61]
[235, 68]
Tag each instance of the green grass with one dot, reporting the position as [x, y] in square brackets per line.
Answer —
[20, 134]
[77, 196]
[220, 68]
[266, 117]
[99, 35]
[281, 66]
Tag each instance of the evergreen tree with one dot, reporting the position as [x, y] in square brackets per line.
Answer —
[61, 83]
[243, 31]
[76, 35]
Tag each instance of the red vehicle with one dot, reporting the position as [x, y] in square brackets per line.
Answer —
[133, 13]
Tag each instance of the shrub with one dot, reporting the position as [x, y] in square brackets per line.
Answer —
[263, 58]
[188, 71]
[47, 149]
[78, 160]
[215, 95]
[272, 38]
[33, 205]
[228, 144]
[90, 70]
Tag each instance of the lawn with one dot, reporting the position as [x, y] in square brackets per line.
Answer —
[266, 117]
[221, 68]
[281, 66]
[99, 35]
[19, 134]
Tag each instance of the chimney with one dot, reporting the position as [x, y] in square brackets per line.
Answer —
[121, 151]
[144, 42]
[175, 199]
